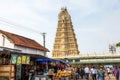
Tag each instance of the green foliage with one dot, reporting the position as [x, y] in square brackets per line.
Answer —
[118, 44]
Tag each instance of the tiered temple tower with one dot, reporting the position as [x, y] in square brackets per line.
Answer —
[65, 43]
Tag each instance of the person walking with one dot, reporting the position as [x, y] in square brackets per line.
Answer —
[108, 72]
[101, 74]
[87, 71]
[94, 72]
[116, 73]
[82, 72]
[77, 73]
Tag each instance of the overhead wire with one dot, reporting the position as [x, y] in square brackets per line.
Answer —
[8, 22]
[21, 26]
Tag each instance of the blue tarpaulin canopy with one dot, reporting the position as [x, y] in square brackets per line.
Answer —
[40, 59]
[44, 59]
[51, 60]
[65, 63]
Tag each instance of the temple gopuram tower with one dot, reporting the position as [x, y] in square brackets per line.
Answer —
[65, 43]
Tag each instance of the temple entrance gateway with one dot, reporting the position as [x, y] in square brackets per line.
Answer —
[65, 43]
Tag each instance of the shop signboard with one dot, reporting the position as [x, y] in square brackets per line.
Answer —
[13, 59]
[27, 59]
[23, 59]
[20, 59]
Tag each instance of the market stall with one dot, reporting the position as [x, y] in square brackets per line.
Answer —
[17, 65]
[53, 69]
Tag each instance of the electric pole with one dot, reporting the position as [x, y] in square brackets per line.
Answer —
[43, 34]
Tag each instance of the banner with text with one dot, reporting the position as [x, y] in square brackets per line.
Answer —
[20, 59]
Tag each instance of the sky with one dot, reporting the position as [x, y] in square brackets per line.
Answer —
[96, 23]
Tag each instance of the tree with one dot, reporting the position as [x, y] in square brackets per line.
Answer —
[118, 44]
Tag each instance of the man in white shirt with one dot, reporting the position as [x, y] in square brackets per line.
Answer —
[87, 71]
[94, 73]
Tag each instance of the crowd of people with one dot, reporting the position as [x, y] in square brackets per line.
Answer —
[86, 73]
[95, 73]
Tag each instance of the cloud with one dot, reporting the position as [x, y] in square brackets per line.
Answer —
[109, 27]
[87, 7]
[94, 21]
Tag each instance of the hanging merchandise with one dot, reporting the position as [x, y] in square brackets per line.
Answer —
[52, 64]
[57, 63]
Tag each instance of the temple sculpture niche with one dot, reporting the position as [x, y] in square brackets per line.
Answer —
[65, 43]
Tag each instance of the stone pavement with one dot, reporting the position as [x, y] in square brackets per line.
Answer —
[111, 77]
[106, 78]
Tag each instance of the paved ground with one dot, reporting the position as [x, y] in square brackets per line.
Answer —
[106, 78]
[111, 77]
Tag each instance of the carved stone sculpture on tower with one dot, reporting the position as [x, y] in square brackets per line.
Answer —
[65, 43]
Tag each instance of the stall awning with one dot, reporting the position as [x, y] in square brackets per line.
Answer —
[44, 59]
[51, 60]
